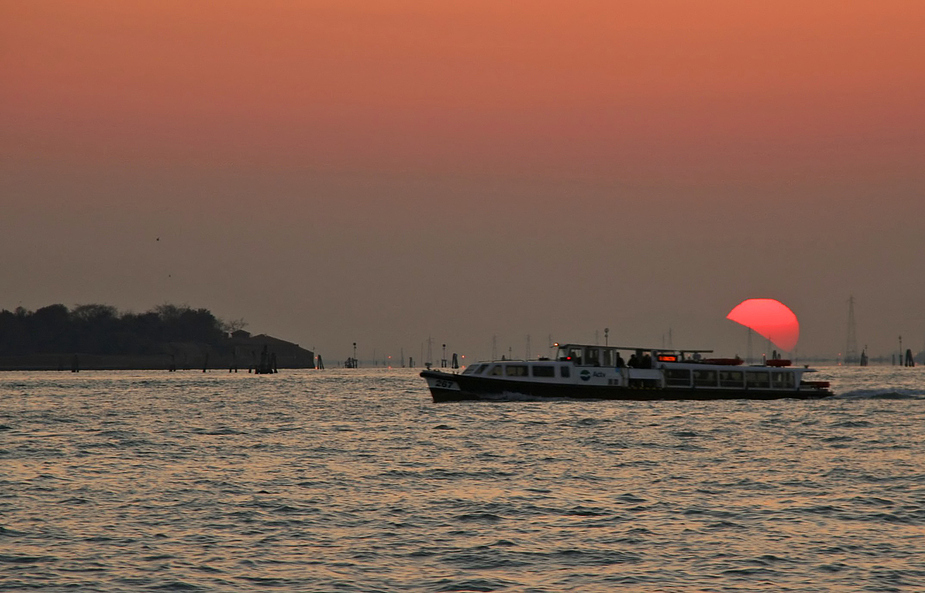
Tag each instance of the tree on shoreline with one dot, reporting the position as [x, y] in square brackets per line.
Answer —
[101, 329]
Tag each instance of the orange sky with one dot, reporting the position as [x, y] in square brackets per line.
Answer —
[612, 88]
[357, 144]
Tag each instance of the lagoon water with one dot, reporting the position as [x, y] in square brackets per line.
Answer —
[352, 480]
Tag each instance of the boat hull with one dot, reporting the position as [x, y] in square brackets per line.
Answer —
[447, 387]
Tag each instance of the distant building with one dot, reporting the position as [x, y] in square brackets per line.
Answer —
[247, 351]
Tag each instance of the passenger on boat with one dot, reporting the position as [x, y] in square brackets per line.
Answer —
[633, 362]
[620, 362]
[646, 361]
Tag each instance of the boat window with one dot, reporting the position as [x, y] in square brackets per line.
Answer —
[468, 370]
[757, 379]
[515, 370]
[480, 368]
[777, 379]
[678, 377]
[704, 378]
[782, 380]
[731, 379]
[565, 372]
[607, 358]
[575, 355]
[544, 370]
[495, 371]
[594, 357]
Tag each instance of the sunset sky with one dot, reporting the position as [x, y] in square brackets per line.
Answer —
[380, 172]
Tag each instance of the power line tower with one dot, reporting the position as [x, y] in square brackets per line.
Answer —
[748, 348]
[851, 349]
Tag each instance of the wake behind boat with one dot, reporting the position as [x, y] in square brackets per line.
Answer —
[594, 372]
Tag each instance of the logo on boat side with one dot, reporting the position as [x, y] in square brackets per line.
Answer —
[586, 375]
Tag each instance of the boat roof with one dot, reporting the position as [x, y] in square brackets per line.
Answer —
[634, 348]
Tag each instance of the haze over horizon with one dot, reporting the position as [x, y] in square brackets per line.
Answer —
[384, 172]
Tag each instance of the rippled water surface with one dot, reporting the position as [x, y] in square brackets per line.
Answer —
[352, 480]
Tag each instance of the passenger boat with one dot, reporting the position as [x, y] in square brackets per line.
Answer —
[594, 372]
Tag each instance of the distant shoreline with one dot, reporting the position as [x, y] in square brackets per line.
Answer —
[115, 362]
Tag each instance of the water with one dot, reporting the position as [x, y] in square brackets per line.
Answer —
[346, 480]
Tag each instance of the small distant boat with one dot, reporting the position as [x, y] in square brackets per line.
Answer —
[581, 371]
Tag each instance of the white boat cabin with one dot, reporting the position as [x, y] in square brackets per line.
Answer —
[654, 369]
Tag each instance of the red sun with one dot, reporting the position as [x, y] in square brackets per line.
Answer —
[769, 318]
